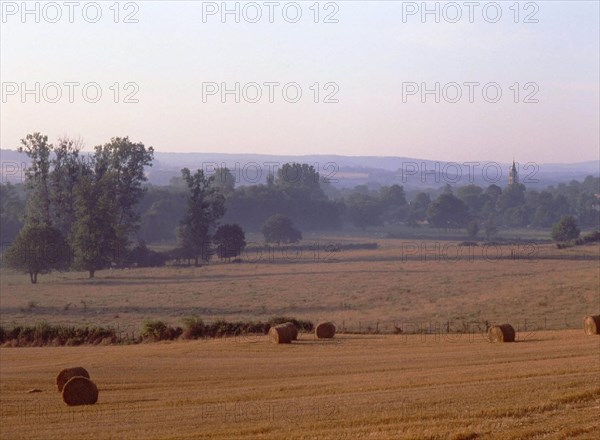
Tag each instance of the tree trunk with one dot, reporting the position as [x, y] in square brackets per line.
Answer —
[33, 277]
[92, 272]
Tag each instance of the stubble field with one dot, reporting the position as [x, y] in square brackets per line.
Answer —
[431, 385]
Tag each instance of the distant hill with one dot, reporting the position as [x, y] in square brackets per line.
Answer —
[347, 171]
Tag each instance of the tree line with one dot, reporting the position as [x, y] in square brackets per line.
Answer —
[99, 208]
[82, 210]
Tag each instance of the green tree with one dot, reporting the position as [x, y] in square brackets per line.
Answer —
[363, 210]
[230, 241]
[302, 177]
[124, 161]
[11, 213]
[37, 148]
[490, 228]
[393, 203]
[94, 235]
[472, 196]
[205, 206]
[38, 249]
[224, 181]
[417, 210]
[68, 167]
[280, 229]
[448, 212]
[513, 196]
[473, 229]
[566, 229]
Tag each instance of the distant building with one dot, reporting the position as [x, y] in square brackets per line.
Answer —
[513, 175]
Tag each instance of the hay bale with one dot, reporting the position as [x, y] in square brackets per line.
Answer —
[293, 330]
[591, 325]
[501, 333]
[66, 374]
[79, 390]
[280, 334]
[325, 330]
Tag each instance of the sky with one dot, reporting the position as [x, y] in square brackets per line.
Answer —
[349, 78]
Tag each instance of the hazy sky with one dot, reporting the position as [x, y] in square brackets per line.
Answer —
[370, 56]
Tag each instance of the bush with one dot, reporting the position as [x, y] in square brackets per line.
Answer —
[43, 333]
[193, 327]
[566, 229]
[156, 330]
[141, 256]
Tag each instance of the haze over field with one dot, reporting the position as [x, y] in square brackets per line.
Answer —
[160, 57]
[300, 220]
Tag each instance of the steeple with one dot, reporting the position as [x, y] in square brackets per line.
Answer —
[513, 174]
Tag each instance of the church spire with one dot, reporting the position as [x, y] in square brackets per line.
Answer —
[513, 174]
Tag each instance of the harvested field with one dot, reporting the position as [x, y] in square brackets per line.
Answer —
[381, 387]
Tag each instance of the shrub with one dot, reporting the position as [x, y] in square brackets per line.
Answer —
[156, 330]
[566, 229]
[193, 327]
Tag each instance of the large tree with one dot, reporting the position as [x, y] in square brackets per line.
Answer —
[417, 210]
[393, 203]
[11, 213]
[364, 210]
[38, 249]
[230, 241]
[68, 167]
[448, 212]
[280, 229]
[94, 234]
[224, 181]
[126, 162]
[37, 148]
[205, 206]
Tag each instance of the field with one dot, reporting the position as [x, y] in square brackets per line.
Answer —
[428, 385]
[413, 284]
[356, 386]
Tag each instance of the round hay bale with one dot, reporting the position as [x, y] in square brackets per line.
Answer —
[591, 325]
[64, 376]
[280, 334]
[80, 390]
[325, 330]
[293, 330]
[501, 333]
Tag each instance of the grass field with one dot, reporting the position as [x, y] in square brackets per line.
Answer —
[356, 386]
[412, 284]
[433, 385]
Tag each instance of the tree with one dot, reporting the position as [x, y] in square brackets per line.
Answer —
[68, 167]
[224, 181]
[11, 212]
[205, 206]
[417, 210]
[490, 228]
[94, 235]
[363, 210]
[230, 241]
[125, 162]
[513, 196]
[566, 229]
[472, 196]
[393, 203]
[473, 229]
[448, 212]
[37, 148]
[38, 249]
[280, 229]
[301, 177]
